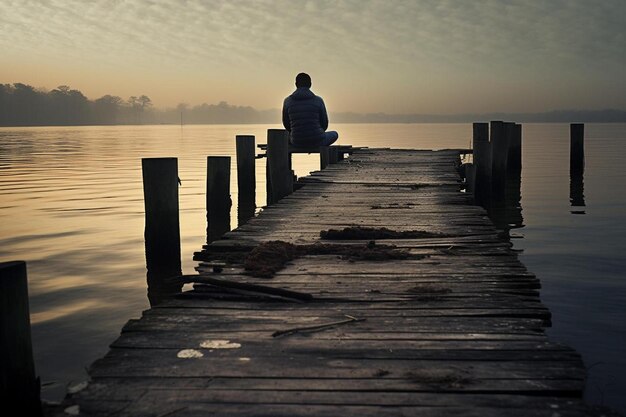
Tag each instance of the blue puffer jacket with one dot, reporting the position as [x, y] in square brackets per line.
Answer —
[305, 117]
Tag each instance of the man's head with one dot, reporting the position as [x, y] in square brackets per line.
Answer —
[303, 80]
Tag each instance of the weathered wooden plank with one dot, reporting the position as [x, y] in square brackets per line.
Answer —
[484, 392]
[353, 334]
[416, 277]
[182, 340]
[371, 267]
[419, 324]
[299, 349]
[255, 392]
[196, 409]
[445, 375]
[381, 309]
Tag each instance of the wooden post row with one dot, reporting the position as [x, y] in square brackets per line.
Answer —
[19, 386]
[218, 200]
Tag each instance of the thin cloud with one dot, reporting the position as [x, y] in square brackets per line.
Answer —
[386, 41]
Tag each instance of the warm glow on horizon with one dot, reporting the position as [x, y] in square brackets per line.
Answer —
[433, 57]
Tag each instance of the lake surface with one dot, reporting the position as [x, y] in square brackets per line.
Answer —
[71, 205]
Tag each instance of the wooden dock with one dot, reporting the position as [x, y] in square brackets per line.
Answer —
[457, 328]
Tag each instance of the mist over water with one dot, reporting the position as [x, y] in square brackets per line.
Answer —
[71, 205]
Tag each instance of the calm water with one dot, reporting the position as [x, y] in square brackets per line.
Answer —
[71, 206]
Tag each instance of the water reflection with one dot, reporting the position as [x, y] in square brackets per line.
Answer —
[576, 192]
[507, 214]
[162, 264]
[64, 311]
[513, 197]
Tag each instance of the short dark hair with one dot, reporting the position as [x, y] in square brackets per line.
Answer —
[303, 80]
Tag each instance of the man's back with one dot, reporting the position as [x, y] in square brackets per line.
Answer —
[304, 115]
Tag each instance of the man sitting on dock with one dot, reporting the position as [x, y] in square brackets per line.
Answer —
[305, 117]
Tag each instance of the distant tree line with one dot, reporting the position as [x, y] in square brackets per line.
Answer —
[222, 113]
[23, 105]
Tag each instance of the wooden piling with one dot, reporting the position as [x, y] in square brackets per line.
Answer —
[268, 184]
[218, 201]
[514, 161]
[499, 155]
[513, 218]
[482, 162]
[280, 177]
[577, 149]
[333, 155]
[19, 386]
[162, 232]
[246, 178]
[160, 193]
[324, 156]
[470, 178]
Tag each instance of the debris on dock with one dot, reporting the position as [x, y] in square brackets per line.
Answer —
[270, 257]
[368, 233]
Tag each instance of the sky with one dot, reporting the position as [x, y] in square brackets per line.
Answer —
[392, 56]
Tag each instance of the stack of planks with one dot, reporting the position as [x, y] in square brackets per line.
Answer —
[457, 331]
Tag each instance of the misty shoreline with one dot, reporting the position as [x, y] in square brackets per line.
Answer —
[22, 105]
[336, 122]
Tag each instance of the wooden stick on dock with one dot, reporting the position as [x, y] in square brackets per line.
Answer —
[19, 386]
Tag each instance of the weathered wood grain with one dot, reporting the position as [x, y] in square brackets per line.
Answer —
[458, 329]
